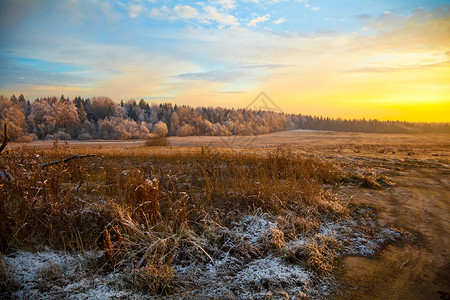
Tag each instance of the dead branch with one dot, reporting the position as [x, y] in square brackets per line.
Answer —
[5, 141]
[76, 156]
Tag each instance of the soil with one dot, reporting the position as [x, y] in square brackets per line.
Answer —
[419, 270]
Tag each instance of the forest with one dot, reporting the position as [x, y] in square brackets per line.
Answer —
[102, 118]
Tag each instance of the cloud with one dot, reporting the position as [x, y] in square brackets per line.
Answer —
[160, 13]
[224, 4]
[387, 63]
[279, 21]
[254, 22]
[185, 12]
[212, 14]
[390, 20]
[264, 2]
[16, 74]
[135, 10]
[327, 61]
[306, 4]
[212, 76]
[404, 57]
[78, 11]
[397, 69]
[209, 14]
[231, 74]
[228, 92]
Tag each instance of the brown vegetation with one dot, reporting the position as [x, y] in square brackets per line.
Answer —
[153, 210]
[147, 211]
[156, 141]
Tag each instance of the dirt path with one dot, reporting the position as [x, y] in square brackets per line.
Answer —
[420, 202]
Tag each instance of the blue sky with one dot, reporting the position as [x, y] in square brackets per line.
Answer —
[220, 52]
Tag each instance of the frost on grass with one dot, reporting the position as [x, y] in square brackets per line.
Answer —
[270, 274]
[230, 275]
[230, 278]
[52, 275]
[252, 228]
[360, 237]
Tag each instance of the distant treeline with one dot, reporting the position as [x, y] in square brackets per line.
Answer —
[102, 118]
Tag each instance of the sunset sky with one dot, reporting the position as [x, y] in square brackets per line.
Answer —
[385, 59]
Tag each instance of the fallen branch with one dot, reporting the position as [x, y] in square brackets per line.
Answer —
[76, 156]
[5, 141]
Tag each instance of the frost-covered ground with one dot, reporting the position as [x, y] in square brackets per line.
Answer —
[52, 275]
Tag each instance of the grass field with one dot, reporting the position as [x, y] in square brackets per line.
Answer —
[292, 214]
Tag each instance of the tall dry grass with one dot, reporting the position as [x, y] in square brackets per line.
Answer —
[149, 210]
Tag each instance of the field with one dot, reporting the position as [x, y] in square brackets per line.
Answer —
[296, 214]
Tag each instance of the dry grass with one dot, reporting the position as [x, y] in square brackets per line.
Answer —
[148, 210]
[156, 141]
[320, 254]
[274, 239]
[153, 279]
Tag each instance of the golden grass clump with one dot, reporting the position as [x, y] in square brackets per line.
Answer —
[320, 253]
[273, 239]
[154, 279]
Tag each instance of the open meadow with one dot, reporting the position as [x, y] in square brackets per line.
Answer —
[289, 215]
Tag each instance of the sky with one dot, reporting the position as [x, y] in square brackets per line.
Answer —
[388, 60]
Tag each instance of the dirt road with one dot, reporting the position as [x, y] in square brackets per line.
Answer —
[420, 202]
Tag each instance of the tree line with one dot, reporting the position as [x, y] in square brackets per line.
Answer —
[102, 118]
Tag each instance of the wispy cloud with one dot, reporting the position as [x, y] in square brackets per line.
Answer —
[213, 76]
[224, 4]
[211, 13]
[257, 20]
[279, 21]
[207, 15]
[16, 74]
[232, 74]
